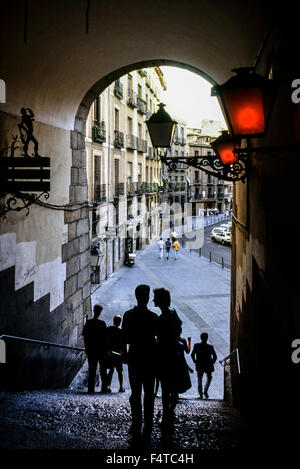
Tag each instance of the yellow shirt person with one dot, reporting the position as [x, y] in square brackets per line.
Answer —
[176, 248]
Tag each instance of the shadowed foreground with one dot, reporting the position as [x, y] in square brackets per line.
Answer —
[68, 420]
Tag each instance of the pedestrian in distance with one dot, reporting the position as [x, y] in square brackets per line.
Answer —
[116, 351]
[168, 247]
[95, 341]
[161, 246]
[140, 330]
[176, 248]
[174, 235]
[204, 357]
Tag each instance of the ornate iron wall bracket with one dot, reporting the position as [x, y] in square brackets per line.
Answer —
[20, 201]
[211, 165]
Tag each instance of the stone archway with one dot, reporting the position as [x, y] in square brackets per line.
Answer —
[76, 253]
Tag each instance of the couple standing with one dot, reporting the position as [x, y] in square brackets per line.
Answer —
[154, 353]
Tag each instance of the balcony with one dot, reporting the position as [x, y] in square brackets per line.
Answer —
[141, 105]
[211, 196]
[131, 142]
[210, 181]
[132, 98]
[220, 182]
[142, 145]
[179, 187]
[150, 154]
[119, 189]
[99, 132]
[118, 89]
[132, 188]
[119, 139]
[100, 193]
[220, 195]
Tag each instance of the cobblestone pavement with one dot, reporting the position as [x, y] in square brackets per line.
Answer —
[200, 293]
[73, 420]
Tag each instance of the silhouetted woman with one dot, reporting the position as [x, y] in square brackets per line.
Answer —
[169, 355]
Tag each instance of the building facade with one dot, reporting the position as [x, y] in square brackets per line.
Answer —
[215, 194]
[123, 172]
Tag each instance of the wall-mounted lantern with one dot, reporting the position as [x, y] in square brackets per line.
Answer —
[161, 128]
[224, 147]
[246, 100]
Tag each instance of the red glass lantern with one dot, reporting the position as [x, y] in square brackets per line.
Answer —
[223, 147]
[246, 101]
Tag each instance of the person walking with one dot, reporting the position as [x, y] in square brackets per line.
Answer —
[161, 246]
[116, 351]
[95, 342]
[204, 357]
[168, 247]
[176, 248]
[174, 235]
[171, 371]
[140, 330]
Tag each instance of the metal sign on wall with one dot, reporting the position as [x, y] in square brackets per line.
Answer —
[21, 173]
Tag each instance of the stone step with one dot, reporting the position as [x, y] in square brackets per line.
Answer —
[73, 419]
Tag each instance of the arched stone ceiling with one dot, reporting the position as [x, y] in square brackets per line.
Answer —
[59, 62]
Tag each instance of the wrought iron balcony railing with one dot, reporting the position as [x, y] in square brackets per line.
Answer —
[119, 189]
[150, 153]
[141, 105]
[131, 142]
[132, 98]
[100, 193]
[119, 139]
[99, 132]
[118, 89]
[132, 188]
[220, 195]
[142, 145]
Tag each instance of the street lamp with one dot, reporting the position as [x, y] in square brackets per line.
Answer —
[224, 146]
[161, 128]
[246, 100]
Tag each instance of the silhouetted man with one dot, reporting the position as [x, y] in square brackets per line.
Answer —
[140, 328]
[204, 356]
[95, 336]
[116, 350]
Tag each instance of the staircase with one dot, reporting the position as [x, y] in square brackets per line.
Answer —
[72, 419]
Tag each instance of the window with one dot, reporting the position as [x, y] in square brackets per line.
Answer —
[97, 109]
[117, 119]
[97, 176]
[129, 125]
[129, 172]
[129, 82]
[140, 130]
[196, 153]
[139, 91]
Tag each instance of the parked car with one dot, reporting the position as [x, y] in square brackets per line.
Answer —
[215, 231]
[226, 226]
[224, 237]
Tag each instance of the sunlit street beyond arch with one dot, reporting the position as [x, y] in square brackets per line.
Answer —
[200, 293]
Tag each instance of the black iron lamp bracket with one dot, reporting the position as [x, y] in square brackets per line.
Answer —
[211, 165]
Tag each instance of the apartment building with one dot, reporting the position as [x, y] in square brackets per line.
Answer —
[123, 171]
[206, 189]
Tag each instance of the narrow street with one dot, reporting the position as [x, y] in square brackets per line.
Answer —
[200, 293]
